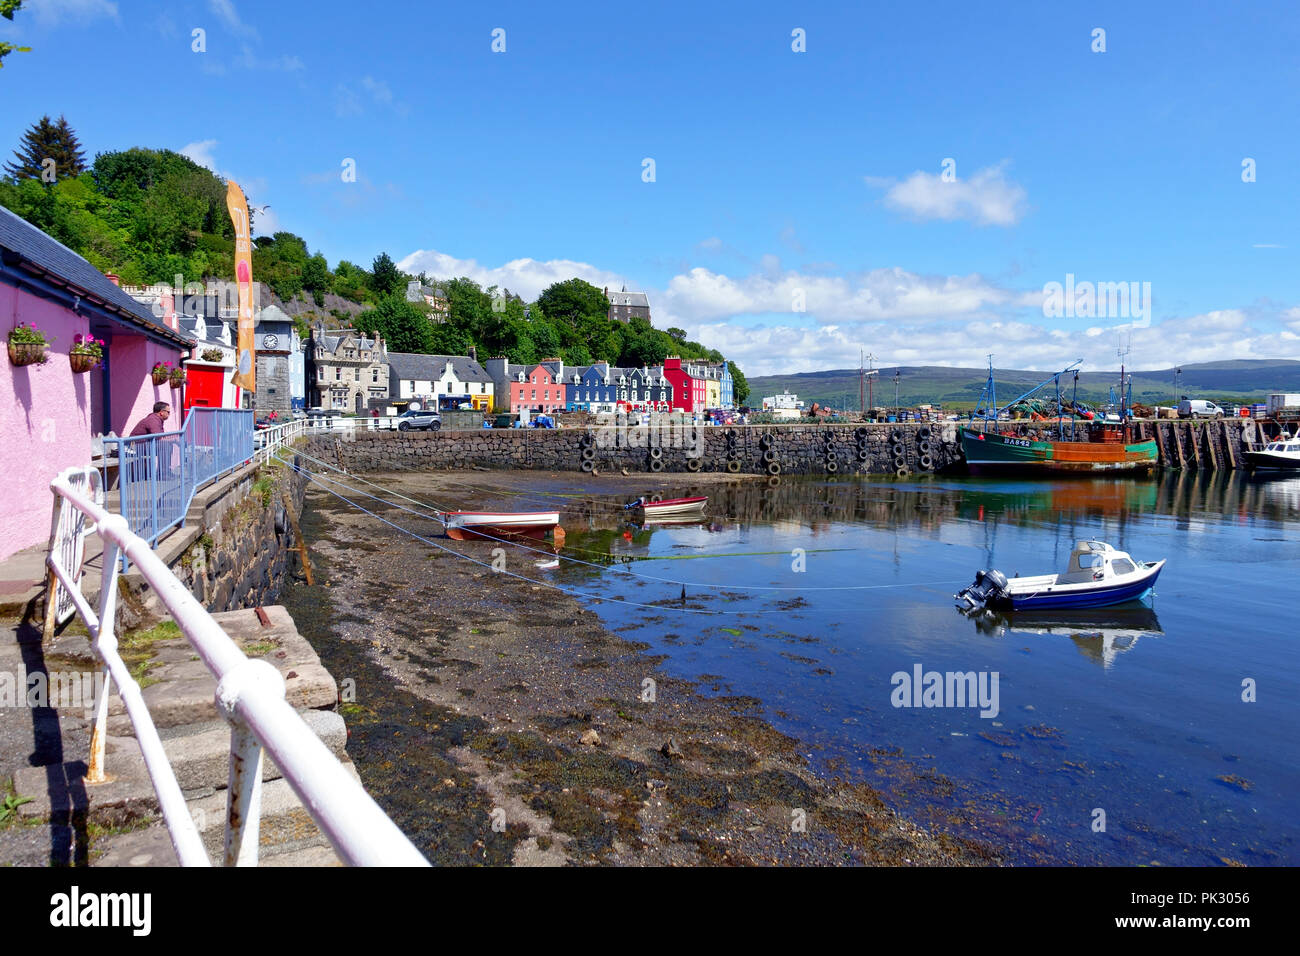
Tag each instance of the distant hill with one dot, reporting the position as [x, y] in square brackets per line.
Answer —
[1238, 381]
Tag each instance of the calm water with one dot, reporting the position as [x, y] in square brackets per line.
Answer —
[1136, 712]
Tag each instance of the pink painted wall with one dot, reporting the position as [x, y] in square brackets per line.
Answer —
[133, 393]
[46, 419]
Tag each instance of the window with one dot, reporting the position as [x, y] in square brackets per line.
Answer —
[1090, 561]
[534, 397]
[374, 375]
[1122, 566]
[338, 374]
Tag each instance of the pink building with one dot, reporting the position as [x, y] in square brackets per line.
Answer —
[49, 414]
[540, 389]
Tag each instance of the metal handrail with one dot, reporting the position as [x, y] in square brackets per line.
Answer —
[158, 475]
[250, 696]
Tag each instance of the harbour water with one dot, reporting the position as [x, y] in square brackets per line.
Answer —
[1163, 733]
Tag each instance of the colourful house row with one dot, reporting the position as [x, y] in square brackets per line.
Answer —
[549, 387]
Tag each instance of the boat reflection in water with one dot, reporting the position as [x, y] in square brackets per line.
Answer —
[1100, 635]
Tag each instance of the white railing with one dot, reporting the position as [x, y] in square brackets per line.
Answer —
[267, 440]
[250, 696]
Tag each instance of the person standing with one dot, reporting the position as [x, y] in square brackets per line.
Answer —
[153, 424]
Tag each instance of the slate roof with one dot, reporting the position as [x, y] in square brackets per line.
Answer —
[22, 245]
[417, 367]
[634, 299]
[332, 342]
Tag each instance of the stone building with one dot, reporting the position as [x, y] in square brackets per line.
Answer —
[625, 306]
[280, 364]
[348, 372]
[440, 381]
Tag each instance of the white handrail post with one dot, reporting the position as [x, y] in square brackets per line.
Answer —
[104, 635]
[244, 802]
[244, 795]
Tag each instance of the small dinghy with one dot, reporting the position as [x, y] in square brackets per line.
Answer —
[670, 507]
[498, 524]
[1097, 576]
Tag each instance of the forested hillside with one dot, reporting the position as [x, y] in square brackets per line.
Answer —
[149, 215]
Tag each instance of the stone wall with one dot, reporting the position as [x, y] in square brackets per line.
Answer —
[793, 449]
[886, 449]
[243, 545]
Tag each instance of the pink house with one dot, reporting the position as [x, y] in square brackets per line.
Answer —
[540, 389]
[49, 414]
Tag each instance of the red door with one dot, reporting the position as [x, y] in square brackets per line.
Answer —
[204, 385]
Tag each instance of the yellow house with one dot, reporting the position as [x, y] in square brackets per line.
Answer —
[713, 387]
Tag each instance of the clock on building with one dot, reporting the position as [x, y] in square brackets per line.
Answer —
[270, 341]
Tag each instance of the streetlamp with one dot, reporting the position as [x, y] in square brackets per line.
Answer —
[897, 373]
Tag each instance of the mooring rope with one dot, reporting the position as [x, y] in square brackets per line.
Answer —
[625, 569]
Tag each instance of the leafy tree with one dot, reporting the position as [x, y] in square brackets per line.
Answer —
[7, 10]
[404, 325]
[385, 277]
[44, 141]
[676, 334]
[316, 277]
[739, 387]
[572, 301]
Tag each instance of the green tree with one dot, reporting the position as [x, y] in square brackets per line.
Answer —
[47, 140]
[572, 301]
[385, 277]
[676, 334]
[316, 277]
[7, 10]
[404, 325]
[739, 387]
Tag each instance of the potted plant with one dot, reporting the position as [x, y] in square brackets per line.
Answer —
[178, 377]
[161, 372]
[211, 355]
[27, 345]
[86, 353]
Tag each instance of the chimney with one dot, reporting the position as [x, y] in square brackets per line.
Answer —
[473, 354]
[115, 279]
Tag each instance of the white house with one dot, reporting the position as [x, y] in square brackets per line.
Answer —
[439, 381]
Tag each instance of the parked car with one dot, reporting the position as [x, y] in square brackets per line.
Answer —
[423, 418]
[1198, 408]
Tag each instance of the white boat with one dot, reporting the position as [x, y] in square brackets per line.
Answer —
[1283, 454]
[492, 524]
[670, 507]
[1097, 576]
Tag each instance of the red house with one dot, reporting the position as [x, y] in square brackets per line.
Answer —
[690, 388]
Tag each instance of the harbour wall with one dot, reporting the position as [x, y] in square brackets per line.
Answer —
[856, 448]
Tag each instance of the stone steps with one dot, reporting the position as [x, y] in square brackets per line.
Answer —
[197, 743]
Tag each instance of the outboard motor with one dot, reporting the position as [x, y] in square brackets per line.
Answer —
[989, 586]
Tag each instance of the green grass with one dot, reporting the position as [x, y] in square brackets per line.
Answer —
[259, 648]
[10, 804]
[136, 649]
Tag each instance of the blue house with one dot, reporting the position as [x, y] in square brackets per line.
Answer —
[728, 388]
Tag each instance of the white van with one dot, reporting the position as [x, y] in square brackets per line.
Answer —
[1198, 408]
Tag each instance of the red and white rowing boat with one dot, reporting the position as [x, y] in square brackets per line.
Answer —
[672, 506]
[494, 524]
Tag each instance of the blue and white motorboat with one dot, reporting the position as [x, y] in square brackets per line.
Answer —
[1097, 576]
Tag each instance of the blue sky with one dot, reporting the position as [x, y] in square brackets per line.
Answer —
[781, 177]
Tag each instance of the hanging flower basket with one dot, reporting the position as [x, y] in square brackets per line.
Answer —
[26, 353]
[82, 362]
[178, 377]
[27, 345]
[86, 352]
[161, 372]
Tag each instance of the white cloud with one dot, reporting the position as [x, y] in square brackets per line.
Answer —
[1209, 337]
[227, 14]
[351, 102]
[250, 60]
[987, 198]
[201, 153]
[51, 12]
[523, 277]
[892, 293]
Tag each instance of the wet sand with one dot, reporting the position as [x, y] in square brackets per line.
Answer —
[498, 721]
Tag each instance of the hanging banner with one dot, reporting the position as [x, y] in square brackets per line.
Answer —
[245, 348]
